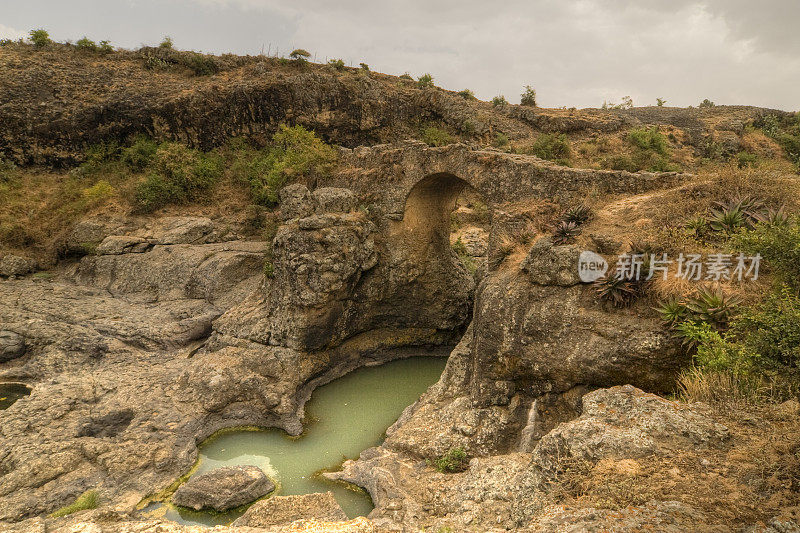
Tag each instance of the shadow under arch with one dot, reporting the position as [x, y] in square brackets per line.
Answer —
[426, 218]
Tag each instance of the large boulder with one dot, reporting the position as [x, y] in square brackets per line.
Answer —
[12, 346]
[278, 510]
[626, 423]
[224, 488]
[15, 265]
[550, 264]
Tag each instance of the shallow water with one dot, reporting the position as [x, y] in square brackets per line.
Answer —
[343, 417]
[11, 392]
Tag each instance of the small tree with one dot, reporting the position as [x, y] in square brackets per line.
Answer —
[406, 76]
[426, 80]
[364, 67]
[105, 46]
[40, 38]
[660, 102]
[300, 55]
[528, 97]
[466, 94]
[706, 103]
[499, 100]
[166, 42]
[86, 44]
[336, 64]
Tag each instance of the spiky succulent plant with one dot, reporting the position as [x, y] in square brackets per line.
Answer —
[565, 232]
[713, 306]
[618, 291]
[580, 214]
[672, 311]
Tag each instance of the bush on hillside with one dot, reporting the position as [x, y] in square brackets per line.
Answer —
[433, 136]
[86, 44]
[553, 147]
[295, 153]
[40, 38]
[177, 174]
[426, 80]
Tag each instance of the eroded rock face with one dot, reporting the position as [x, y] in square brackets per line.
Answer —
[15, 265]
[224, 488]
[286, 509]
[12, 346]
[548, 264]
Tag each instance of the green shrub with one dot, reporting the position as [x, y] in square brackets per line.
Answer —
[269, 269]
[468, 127]
[746, 159]
[98, 155]
[466, 94]
[406, 76]
[364, 67]
[426, 80]
[706, 103]
[105, 47]
[166, 42]
[153, 62]
[433, 136]
[499, 100]
[336, 64]
[178, 174]
[139, 154]
[660, 102]
[528, 97]
[199, 64]
[771, 329]
[649, 139]
[40, 38]
[501, 140]
[86, 44]
[87, 500]
[455, 460]
[778, 244]
[553, 147]
[98, 192]
[295, 153]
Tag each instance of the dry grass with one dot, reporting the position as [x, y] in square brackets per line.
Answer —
[39, 207]
[733, 391]
[754, 477]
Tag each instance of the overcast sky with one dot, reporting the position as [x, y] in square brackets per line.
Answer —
[574, 52]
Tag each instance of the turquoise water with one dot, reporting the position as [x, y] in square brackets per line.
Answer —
[343, 418]
[11, 392]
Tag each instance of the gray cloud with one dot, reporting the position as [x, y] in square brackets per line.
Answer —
[577, 52]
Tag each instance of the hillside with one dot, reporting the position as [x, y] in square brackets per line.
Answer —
[191, 245]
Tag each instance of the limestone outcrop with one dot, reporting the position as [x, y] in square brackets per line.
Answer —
[223, 488]
[287, 509]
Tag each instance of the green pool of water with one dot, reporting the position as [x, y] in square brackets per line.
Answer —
[343, 417]
[11, 392]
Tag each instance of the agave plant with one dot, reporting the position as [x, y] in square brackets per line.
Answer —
[713, 306]
[673, 311]
[737, 212]
[697, 225]
[619, 291]
[579, 214]
[727, 219]
[565, 232]
[774, 217]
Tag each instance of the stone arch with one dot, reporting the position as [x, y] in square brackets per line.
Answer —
[426, 216]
